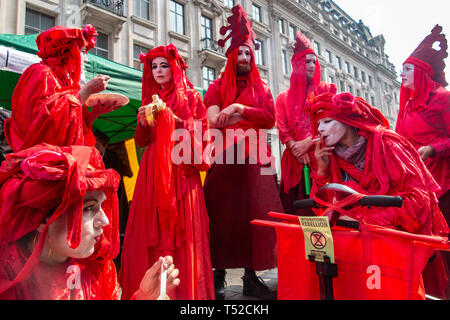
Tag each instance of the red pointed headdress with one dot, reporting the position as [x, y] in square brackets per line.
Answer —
[241, 31]
[430, 59]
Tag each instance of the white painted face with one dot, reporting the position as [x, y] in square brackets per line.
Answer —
[162, 71]
[310, 65]
[332, 131]
[407, 75]
[93, 221]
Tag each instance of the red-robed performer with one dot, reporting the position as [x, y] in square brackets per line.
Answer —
[239, 102]
[424, 115]
[168, 213]
[360, 151]
[293, 122]
[59, 228]
[48, 104]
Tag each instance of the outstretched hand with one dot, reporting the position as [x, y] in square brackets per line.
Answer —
[150, 285]
[323, 157]
[95, 85]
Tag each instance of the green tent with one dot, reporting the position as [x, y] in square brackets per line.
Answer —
[120, 124]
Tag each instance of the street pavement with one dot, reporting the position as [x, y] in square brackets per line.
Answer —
[233, 290]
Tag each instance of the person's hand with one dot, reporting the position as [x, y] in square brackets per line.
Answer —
[224, 116]
[102, 108]
[95, 85]
[150, 284]
[323, 157]
[304, 159]
[300, 148]
[426, 152]
[142, 118]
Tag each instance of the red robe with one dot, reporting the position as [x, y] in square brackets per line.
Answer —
[71, 280]
[150, 233]
[46, 108]
[236, 194]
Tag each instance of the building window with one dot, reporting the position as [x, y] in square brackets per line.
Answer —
[256, 10]
[338, 63]
[206, 29]
[317, 48]
[142, 9]
[355, 72]
[350, 89]
[102, 45]
[370, 81]
[331, 79]
[137, 50]
[363, 76]
[176, 16]
[292, 32]
[228, 3]
[209, 75]
[284, 59]
[329, 56]
[373, 101]
[342, 84]
[36, 22]
[347, 67]
[259, 54]
[281, 26]
[358, 93]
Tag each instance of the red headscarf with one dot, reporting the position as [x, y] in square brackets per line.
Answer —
[60, 48]
[241, 35]
[387, 176]
[49, 181]
[429, 75]
[297, 114]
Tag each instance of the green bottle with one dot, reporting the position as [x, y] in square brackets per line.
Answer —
[307, 179]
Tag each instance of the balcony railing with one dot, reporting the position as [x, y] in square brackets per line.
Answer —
[210, 44]
[114, 6]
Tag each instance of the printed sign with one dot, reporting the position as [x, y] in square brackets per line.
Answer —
[318, 238]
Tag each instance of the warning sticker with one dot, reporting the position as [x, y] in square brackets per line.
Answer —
[318, 238]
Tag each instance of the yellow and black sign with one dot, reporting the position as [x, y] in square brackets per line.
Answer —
[318, 238]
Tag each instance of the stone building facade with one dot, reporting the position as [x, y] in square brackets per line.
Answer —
[350, 56]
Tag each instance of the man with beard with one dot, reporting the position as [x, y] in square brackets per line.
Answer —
[237, 191]
[294, 125]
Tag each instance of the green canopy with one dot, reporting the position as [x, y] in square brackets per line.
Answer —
[120, 124]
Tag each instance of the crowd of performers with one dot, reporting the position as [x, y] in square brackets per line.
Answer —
[59, 219]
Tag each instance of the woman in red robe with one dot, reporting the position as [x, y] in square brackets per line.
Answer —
[48, 102]
[59, 228]
[425, 106]
[168, 214]
[294, 125]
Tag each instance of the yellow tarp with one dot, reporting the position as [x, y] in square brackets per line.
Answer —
[134, 164]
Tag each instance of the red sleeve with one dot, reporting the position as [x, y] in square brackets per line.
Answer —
[144, 135]
[281, 118]
[110, 288]
[212, 96]
[262, 115]
[197, 126]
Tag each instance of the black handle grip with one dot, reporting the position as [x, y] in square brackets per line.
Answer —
[382, 201]
[304, 204]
